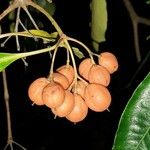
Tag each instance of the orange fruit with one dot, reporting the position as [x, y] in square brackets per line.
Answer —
[53, 95]
[67, 71]
[84, 67]
[80, 88]
[98, 74]
[66, 107]
[79, 111]
[61, 79]
[109, 61]
[97, 97]
[35, 90]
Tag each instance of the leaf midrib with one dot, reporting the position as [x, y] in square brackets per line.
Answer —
[142, 138]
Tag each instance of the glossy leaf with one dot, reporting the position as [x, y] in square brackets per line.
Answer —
[7, 58]
[133, 132]
[98, 22]
[77, 52]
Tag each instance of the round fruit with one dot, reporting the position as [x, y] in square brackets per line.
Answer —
[53, 95]
[84, 67]
[35, 90]
[61, 79]
[67, 106]
[109, 61]
[67, 71]
[97, 97]
[80, 88]
[98, 74]
[79, 111]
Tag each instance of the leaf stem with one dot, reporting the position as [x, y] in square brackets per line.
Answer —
[25, 54]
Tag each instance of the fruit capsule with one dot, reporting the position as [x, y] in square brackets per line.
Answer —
[79, 111]
[109, 61]
[84, 67]
[61, 79]
[67, 71]
[35, 90]
[66, 107]
[80, 88]
[98, 74]
[97, 97]
[53, 95]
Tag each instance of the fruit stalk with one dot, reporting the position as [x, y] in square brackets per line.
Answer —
[83, 45]
[53, 59]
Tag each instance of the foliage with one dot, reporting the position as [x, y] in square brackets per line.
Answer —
[134, 127]
[98, 22]
[133, 131]
[148, 2]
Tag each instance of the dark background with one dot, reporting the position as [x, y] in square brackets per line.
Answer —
[35, 127]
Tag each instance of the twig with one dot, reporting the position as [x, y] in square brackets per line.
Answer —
[135, 21]
[6, 98]
[10, 140]
[8, 10]
[18, 4]
[16, 28]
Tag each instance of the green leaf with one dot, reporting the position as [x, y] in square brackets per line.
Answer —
[148, 2]
[39, 33]
[133, 132]
[6, 59]
[34, 33]
[98, 22]
[77, 52]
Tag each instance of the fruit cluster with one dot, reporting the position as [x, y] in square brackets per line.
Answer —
[70, 96]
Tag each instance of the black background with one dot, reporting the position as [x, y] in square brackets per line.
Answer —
[35, 127]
